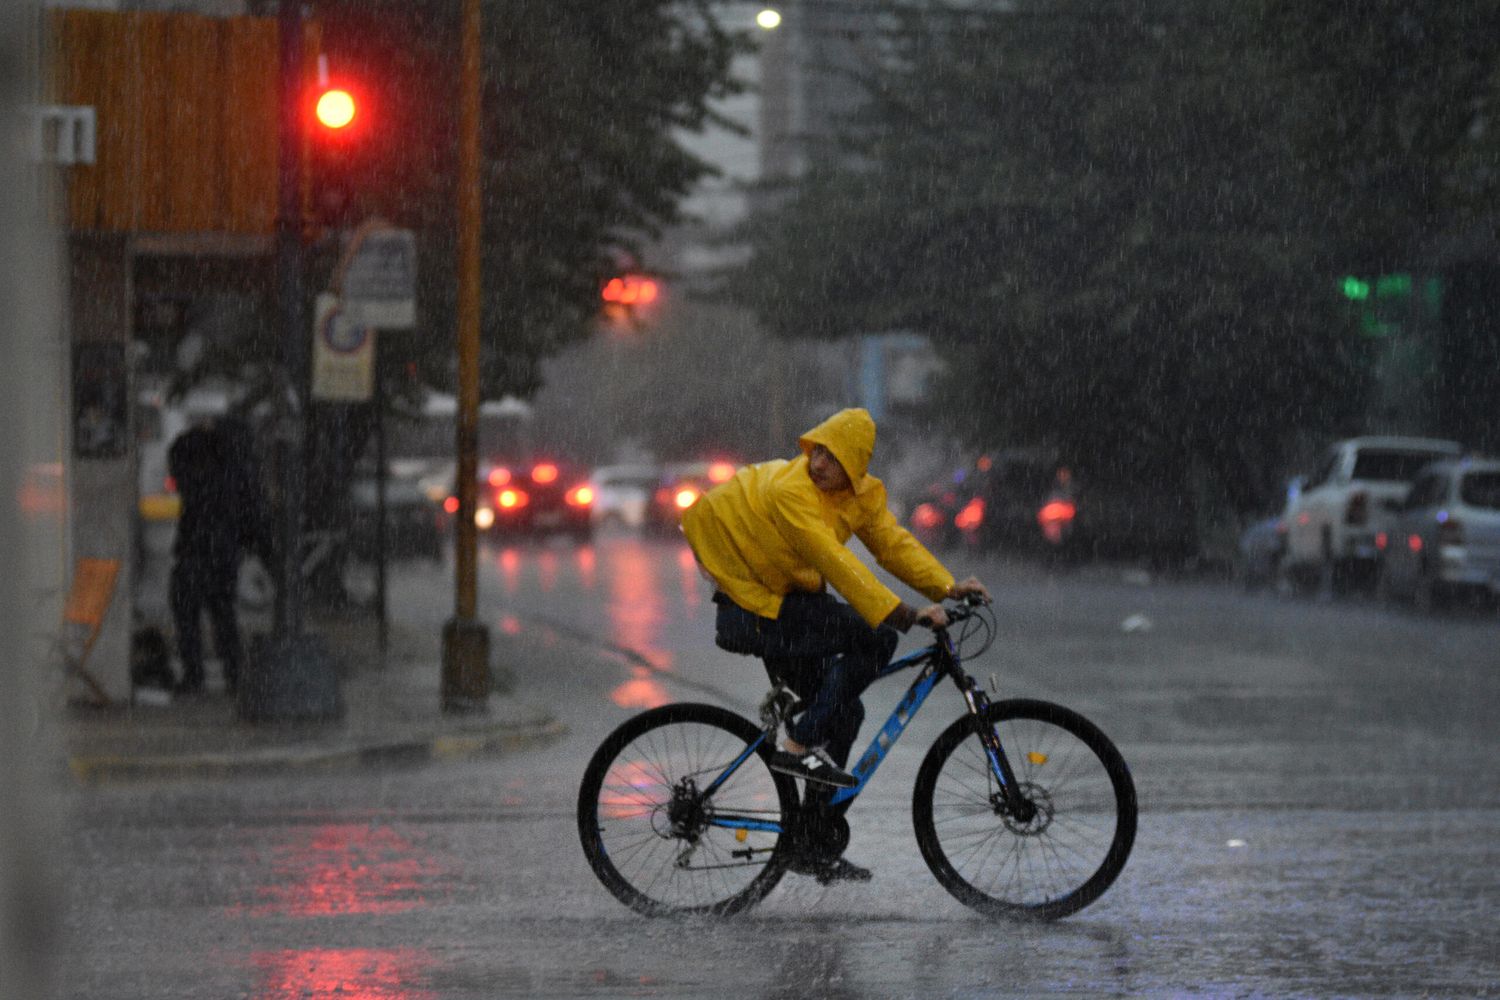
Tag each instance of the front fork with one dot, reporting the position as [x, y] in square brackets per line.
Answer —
[1010, 800]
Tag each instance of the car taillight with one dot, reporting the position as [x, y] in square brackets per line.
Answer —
[451, 505]
[169, 484]
[926, 517]
[1358, 511]
[1382, 540]
[1054, 516]
[1414, 542]
[580, 496]
[512, 499]
[544, 472]
[686, 497]
[1056, 512]
[499, 476]
[972, 516]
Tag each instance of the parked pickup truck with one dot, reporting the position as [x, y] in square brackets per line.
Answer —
[1333, 522]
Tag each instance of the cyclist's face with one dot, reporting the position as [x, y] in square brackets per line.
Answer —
[826, 472]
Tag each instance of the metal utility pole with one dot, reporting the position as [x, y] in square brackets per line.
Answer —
[293, 678]
[466, 642]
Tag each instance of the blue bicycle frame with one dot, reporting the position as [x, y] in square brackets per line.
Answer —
[930, 659]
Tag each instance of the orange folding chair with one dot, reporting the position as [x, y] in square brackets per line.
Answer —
[83, 617]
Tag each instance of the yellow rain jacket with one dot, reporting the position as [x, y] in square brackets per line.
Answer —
[770, 530]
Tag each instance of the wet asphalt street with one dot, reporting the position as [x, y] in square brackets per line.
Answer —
[1320, 816]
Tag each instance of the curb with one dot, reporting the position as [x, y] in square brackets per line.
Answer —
[505, 738]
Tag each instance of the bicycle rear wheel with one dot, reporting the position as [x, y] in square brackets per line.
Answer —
[1044, 865]
[652, 836]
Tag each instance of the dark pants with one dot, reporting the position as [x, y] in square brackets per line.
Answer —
[198, 586]
[824, 651]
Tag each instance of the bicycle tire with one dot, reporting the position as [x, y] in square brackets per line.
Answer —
[1065, 856]
[637, 849]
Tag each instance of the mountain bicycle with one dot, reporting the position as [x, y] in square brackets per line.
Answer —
[1022, 808]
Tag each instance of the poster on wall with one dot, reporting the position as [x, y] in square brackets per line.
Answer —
[101, 414]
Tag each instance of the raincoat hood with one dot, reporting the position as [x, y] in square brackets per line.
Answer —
[850, 435]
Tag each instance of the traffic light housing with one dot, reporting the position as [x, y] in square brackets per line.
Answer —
[334, 133]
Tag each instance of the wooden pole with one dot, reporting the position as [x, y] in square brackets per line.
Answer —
[466, 676]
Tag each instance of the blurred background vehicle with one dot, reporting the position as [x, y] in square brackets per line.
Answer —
[1017, 501]
[1349, 500]
[540, 497]
[622, 494]
[1027, 502]
[1445, 538]
[934, 512]
[679, 487]
[1030, 502]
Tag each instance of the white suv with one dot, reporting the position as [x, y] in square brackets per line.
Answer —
[1333, 522]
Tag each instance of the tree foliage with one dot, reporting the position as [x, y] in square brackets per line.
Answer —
[1122, 223]
[581, 107]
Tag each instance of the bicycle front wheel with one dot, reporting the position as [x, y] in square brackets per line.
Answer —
[1063, 850]
[655, 834]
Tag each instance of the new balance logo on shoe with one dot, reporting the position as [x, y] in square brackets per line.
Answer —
[813, 765]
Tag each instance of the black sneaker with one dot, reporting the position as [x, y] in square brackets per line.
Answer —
[829, 870]
[814, 764]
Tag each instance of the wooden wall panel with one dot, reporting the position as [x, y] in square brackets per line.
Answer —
[186, 117]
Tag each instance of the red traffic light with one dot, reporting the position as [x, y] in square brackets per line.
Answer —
[335, 108]
[631, 290]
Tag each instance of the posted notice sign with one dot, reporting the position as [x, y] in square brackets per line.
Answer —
[343, 359]
[378, 277]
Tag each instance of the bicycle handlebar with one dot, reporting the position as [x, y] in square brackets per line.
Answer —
[962, 609]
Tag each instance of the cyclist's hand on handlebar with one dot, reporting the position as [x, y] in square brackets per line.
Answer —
[970, 588]
[933, 616]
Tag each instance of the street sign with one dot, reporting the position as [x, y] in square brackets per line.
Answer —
[343, 354]
[378, 277]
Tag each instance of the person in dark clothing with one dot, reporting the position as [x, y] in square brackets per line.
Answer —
[214, 470]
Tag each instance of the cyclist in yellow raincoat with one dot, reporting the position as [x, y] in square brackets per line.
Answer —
[773, 540]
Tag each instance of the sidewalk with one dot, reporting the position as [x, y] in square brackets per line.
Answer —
[392, 714]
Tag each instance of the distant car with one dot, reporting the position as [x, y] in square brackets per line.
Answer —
[679, 487]
[1446, 535]
[1262, 545]
[413, 526]
[1028, 503]
[622, 494]
[935, 512]
[537, 497]
[1332, 525]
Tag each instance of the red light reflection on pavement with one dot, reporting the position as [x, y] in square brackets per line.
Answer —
[691, 578]
[348, 868]
[637, 605]
[643, 690]
[629, 791]
[510, 570]
[586, 567]
[345, 973]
